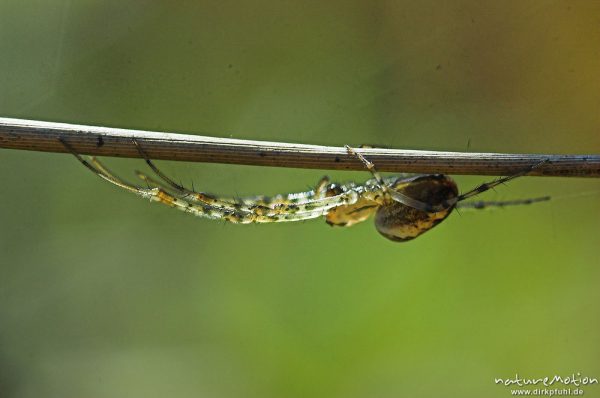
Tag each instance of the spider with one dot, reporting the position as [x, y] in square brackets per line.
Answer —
[404, 207]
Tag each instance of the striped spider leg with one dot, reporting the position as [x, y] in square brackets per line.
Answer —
[293, 207]
[412, 206]
[259, 204]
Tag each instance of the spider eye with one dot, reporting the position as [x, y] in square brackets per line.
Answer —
[399, 222]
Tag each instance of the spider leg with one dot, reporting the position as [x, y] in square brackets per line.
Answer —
[489, 185]
[205, 198]
[151, 182]
[206, 211]
[278, 202]
[100, 172]
[299, 203]
[196, 196]
[154, 194]
[321, 188]
[370, 166]
[242, 216]
[305, 211]
[319, 192]
[157, 171]
[394, 194]
[487, 204]
[298, 197]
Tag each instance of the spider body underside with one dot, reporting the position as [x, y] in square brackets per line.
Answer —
[404, 207]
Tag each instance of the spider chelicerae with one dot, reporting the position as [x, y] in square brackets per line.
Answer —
[404, 207]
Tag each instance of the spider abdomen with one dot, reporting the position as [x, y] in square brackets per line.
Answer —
[399, 222]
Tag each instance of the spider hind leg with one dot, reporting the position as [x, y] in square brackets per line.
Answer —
[492, 184]
[486, 204]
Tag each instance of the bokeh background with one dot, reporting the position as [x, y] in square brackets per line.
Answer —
[103, 294]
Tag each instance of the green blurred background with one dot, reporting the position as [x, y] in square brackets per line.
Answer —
[103, 294]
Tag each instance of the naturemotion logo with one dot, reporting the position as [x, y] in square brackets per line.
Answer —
[559, 384]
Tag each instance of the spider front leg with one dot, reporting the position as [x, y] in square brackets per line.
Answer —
[288, 207]
[154, 194]
[319, 192]
[257, 202]
[395, 194]
[238, 215]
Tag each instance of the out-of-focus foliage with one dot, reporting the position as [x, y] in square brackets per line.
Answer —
[103, 294]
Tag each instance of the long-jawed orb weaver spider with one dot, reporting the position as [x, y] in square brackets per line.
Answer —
[404, 207]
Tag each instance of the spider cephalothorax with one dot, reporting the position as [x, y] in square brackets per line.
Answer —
[404, 207]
